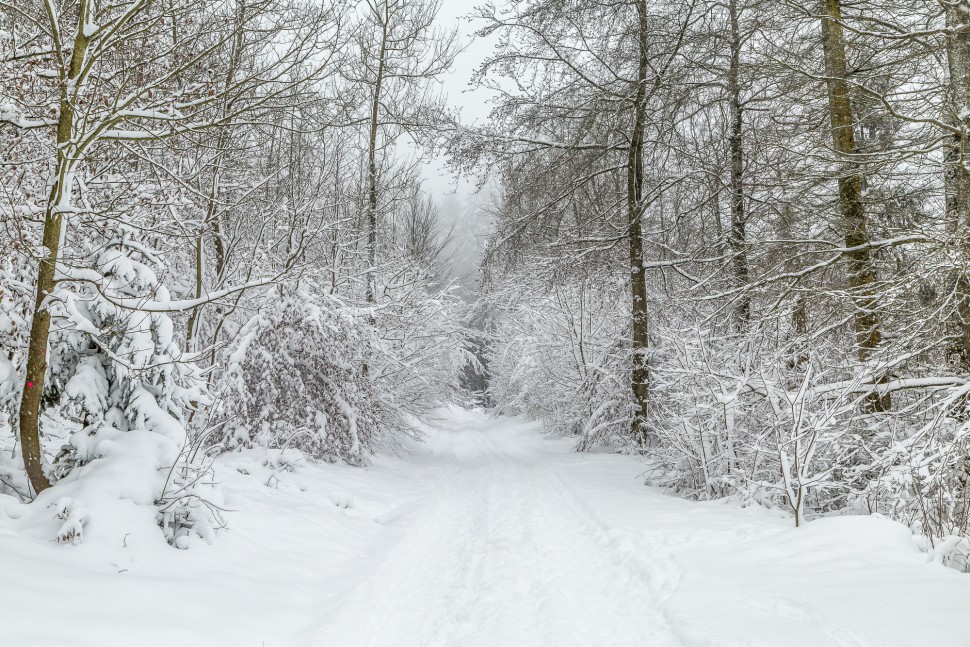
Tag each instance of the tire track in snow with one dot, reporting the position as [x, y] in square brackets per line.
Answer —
[406, 601]
[623, 603]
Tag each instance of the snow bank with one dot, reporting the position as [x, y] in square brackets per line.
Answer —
[261, 582]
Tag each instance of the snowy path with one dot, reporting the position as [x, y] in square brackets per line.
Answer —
[520, 542]
[489, 535]
[503, 555]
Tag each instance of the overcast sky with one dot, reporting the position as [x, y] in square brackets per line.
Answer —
[473, 104]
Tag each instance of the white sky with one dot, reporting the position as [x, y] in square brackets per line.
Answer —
[473, 103]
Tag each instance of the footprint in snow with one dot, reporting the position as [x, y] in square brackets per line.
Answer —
[342, 500]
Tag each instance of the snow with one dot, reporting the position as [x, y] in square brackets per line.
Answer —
[487, 534]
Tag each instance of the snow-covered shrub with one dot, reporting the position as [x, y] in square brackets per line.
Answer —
[190, 503]
[918, 471]
[117, 392]
[739, 415]
[15, 298]
[14, 308]
[558, 358]
[422, 350]
[300, 377]
[338, 381]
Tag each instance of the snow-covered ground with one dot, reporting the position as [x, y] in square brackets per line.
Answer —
[487, 535]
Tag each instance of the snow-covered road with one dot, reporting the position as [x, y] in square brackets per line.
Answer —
[486, 535]
[519, 542]
[503, 553]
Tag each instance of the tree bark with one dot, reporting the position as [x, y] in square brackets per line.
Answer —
[372, 165]
[640, 373]
[957, 175]
[861, 274]
[738, 236]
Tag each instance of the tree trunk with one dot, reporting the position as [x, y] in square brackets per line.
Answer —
[371, 291]
[956, 173]
[862, 275]
[640, 374]
[738, 238]
[213, 217]
[372, 167]
[58, 203]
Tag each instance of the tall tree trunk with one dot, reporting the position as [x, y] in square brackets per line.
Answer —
[371, 292]
[862, 275]
[372, 166]
[738, 237]
[956, 172]
[58, 203]
[640, 374]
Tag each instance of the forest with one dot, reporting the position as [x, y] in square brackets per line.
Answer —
[723, 242]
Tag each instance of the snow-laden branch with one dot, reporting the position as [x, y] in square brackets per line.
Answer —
[144, 304]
